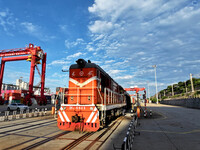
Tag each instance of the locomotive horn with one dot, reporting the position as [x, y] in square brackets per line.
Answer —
[81, 63]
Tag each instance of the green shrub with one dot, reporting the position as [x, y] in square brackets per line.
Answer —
[164, 97]
[154, 100]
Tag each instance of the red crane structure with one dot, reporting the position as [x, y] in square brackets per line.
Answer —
[33, 54]
[136, 89]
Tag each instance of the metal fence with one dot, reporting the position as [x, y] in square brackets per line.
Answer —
[128, 140]
[13, 115]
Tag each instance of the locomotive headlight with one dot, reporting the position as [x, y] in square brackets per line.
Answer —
[72, 98]
[89, 98]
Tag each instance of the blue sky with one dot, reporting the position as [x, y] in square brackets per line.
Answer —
[124, 38]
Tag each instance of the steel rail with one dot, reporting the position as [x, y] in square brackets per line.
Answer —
[34, 138]
[18, 124]
[87, 135]
[77, 141]
[102, 134]
[4, 132]
[45, 141]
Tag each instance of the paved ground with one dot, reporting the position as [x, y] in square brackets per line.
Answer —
[170, 128]
[176, 128]
[22, 133]
[116, 139]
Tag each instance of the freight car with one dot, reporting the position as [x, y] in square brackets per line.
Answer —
[93, 98]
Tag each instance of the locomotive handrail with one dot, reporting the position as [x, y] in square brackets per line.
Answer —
[104, 96]
[82, 87]
[111, 97]
[76, 94]
[100, 96]
[92, 92]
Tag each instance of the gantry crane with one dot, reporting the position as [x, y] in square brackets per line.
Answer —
[34, 55]
[136, 89]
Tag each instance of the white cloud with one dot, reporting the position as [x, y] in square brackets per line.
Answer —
[89, 48]
[79, 41]
[57, 75]
[75, 55]
[109, 61]
[140, 33]
[63, 28]
[3, 14]
[36, 31]
[188, 62]
[98, 37]
[97, 62]
[59, 62]
[124, 77]
[65, 68]
[30, 27]
[7, 21]
[11, 25]
[181, 15]
[115, 72]
[101, 26]
[140, 53]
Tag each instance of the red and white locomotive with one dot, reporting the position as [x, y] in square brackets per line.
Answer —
[93, 98]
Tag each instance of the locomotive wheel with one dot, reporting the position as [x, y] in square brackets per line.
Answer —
[138, 112]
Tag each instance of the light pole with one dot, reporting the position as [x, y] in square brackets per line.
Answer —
[64, 87]
[172, 90]
[154, 66]
[191, 82]
[185, 88]
[148, 90]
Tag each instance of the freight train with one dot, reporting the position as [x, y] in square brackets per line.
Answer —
[93, 99]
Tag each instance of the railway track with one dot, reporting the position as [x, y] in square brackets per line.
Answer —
[17, 124]
[92, 140]
[83, 138]
[77, 141]
[24, 128]
[117, 123]
[45, 141]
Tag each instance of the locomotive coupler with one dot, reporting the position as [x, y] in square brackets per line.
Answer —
[77, 118]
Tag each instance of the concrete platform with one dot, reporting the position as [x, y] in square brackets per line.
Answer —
[118, 136]
[174, 128]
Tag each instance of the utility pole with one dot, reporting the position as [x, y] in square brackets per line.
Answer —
[191, 82]
[154, 66]
[172, 90]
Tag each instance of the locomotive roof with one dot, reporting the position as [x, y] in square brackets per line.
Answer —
[90, 65]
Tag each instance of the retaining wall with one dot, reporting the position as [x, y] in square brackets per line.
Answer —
[189, 102]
